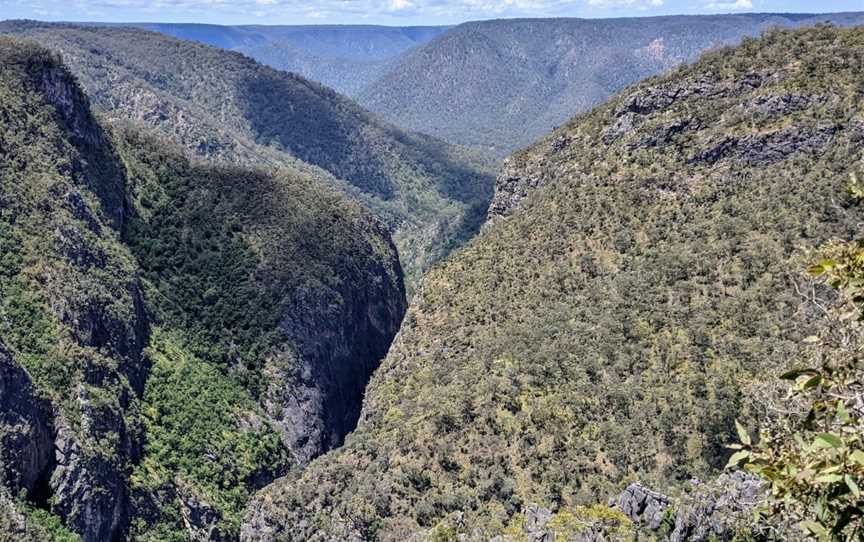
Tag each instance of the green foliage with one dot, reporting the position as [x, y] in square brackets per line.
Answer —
[612, 524]
[103, 233]
[204, 429]
[46, 527]
[224, 252]
[814, 461]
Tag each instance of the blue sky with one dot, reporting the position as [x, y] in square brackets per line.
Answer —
[389, 12]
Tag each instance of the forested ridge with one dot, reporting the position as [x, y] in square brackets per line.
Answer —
[227, 108]
[638, 290]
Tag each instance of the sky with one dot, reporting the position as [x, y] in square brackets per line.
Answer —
[386, 12]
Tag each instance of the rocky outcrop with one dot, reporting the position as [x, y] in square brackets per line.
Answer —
[13, 524]
[511, 187]
[88, 489]
[95, 443]
[26, 443]
[97, 163]
[714, 511]
[200, 518]
[641, 504]
[709, 512]
[768, 148]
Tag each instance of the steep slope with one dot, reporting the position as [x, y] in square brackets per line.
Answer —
[275, 281]
[609, 328]
[226, 106]
[72, 319]
[173, 335]
[502, 84]
[346, 58]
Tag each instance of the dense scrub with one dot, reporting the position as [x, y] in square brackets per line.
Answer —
[618, 321]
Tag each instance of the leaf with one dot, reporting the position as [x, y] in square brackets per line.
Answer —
[815, 270]
[737, 458]
[743, 436]
[812, 339]
[842, 412]
[858, 457]
[811, 383]
[794, 374]
[853, 487]
[813, 527]
[828, 440]
[829, 478]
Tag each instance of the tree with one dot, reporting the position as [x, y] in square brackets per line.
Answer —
[814, 460]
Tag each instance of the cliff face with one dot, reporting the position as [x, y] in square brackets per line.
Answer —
[614, 324]
[173, 335]
[72, 305]
[25, 438]
[339, 338]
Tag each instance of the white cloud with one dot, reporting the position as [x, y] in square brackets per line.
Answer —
[463, 9]
[736, 5]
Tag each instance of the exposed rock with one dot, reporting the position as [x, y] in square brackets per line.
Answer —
[777, 105]
[768, 148]
[98, 165]
[88, 489]
[315, 392]
[199, 517]
[710, 512]
[654, 98]
[622, 126]
[536, 519]
[26, 443]
[664, 134]
[13, 524]
[713, 510]
[511, 188]
[642, 505]
[60, 90]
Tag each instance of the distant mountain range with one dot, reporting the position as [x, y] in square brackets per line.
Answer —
[494, 84]
[345, 58]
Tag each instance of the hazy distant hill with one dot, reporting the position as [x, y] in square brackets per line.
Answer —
[501, 84]
[344, 57]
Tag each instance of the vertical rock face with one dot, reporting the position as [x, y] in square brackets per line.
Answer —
[339, 338]
[639, 502]
[26, 443]
[99, 168]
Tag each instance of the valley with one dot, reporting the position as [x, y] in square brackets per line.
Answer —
[296, 283]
